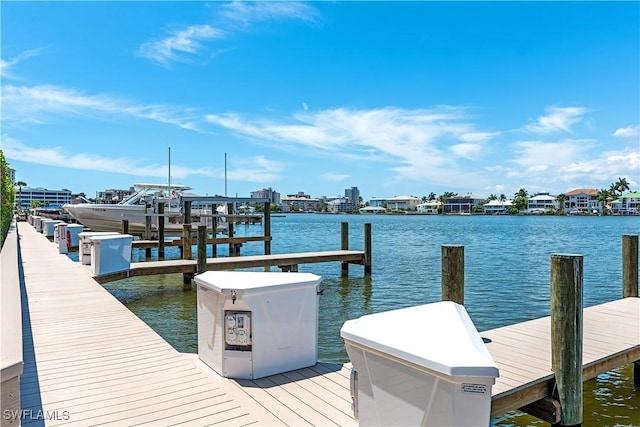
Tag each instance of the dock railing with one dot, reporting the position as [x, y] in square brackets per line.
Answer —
[11, 359]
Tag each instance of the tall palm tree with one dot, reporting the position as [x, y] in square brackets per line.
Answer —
[502, 198]
[20, 184]
[622, 185]
[603, 197]
[560, 199]
[492, 197]
[520, 199]
[613, 190]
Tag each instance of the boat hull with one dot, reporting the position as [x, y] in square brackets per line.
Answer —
[110, 217]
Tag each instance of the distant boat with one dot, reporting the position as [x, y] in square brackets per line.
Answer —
[108, 217]
[52, 212]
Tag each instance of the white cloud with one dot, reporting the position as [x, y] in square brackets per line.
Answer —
[5, 66]
[478, 136]
[628, 132]
[334, 177]
[37, 104]
[305, 106]
[247, 13]
[256, 169]
[415, 144]
[558, 119]
[469, 151]
[181, 44]
[532, 155]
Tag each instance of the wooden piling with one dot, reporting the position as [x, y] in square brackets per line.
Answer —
[160, 230]
[125, 226]
[453, 273]
[567, 335]
[267, 228]
[186, 232]
[344, 245]
[202, 249]
[367, 249]
[629, 265]
[630, 281]
[147, 222]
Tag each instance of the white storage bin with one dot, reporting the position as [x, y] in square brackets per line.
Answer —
[110, 254]
[255, 324]
[84, 244]
[48, 227]
[74, 231]
[423, 365]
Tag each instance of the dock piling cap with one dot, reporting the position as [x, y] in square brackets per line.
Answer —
[438, 336]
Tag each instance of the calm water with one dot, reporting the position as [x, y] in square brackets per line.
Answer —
[506, 274]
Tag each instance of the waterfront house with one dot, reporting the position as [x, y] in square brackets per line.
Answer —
[403, 203]
[462, 204]
[429, 208]
[541, 203]
[372, 210]
[340, 205]
[582, 200]
[627, 204]
[378, 202]
[300, 203]
[497, 207]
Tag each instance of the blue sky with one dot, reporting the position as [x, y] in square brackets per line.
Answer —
[396, 98]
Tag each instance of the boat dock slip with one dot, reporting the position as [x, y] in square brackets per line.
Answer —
[89, 360]
[288, 262]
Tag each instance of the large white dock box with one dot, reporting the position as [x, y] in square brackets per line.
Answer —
[37, 223]
[419, 366]
[49, 227]
[73, 231]
[84, 245]
[255, 324]
[111, 253]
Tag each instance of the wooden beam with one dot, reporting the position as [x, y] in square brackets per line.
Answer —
[546, 409]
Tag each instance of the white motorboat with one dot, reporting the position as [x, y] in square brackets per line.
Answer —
[142, 203]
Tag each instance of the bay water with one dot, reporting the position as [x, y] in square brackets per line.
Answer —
[507, 271]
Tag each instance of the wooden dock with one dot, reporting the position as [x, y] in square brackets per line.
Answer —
[287, 262]
[89, 360]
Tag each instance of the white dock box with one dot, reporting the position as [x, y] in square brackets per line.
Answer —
[419, 366]
[73, 231]
[110, 254]
[48, 227]
[61, 237]
[84, 245]
[37, 223]
[255, 324]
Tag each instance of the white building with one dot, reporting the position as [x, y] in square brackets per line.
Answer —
[497, 207]
[462, 204]
[627, 204]
[267, 193]
[429, 208]
[26, 195]
[582, 200]
[403, 203]
[541, 203]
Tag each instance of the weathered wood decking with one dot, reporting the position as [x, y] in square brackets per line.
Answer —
[89, 360]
